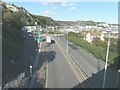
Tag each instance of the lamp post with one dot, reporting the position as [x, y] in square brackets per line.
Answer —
[67, 43]
[30, 70]
[108, 45]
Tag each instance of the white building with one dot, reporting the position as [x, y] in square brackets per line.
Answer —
[31, 28]
[103, 24]
[102, 37]
[89, 38]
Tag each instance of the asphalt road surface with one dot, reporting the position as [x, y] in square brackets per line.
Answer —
[60, 72]
[94, 68]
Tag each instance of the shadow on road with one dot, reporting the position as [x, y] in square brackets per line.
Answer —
[39, 68]
[43, 56]
[96, 79]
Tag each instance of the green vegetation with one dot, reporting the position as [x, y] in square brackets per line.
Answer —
[51, 32]
[11, 42]
[98, 49]
[44, 21]
[98, 42]
[83, 23]
[12, 37]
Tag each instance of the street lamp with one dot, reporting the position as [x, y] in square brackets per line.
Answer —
[109, 32]
[67, 43]
[30, 70]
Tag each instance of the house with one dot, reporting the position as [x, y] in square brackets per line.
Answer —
[89, 37]
[102, 37]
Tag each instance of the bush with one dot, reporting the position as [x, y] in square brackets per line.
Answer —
[98, 42]
[98, 51]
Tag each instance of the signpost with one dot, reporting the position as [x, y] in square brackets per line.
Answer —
[39, 34]
[39, 40]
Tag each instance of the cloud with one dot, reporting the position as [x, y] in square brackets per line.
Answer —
[64, 4]
[49, 13]
[57, 2]
[72, 8]
[60, 3]
[45, 3]
[55, 7]
[72, 4]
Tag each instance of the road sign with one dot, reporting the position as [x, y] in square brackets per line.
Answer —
[39, 33]
[39, 39]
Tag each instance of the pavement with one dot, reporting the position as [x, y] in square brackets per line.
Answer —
[93, 68]
[37, 79]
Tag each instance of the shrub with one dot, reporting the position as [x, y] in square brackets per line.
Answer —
[98, 50]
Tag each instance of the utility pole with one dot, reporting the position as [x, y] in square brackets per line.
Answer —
[104, 79]
[30, 70]
[67, 43]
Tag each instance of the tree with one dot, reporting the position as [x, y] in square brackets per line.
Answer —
[98, 42]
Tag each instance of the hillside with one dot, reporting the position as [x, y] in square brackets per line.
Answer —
[13, 18]
[83, 23]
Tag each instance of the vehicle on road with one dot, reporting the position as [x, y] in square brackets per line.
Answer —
[48, 39]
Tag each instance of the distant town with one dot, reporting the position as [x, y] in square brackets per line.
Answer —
[100, 30]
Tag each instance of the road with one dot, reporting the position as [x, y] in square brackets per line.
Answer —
[94, 68]
[54, 68]
[61, 73]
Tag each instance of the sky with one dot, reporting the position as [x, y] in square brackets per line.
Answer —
[71, 11]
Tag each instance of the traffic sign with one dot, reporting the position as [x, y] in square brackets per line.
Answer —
[39, 33]
[39, 39]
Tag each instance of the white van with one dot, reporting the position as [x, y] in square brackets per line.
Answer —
[48, 39]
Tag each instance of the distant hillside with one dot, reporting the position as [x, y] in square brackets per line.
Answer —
[83, 23]
[13, 18]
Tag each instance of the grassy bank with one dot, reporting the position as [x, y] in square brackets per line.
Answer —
[98, 51]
